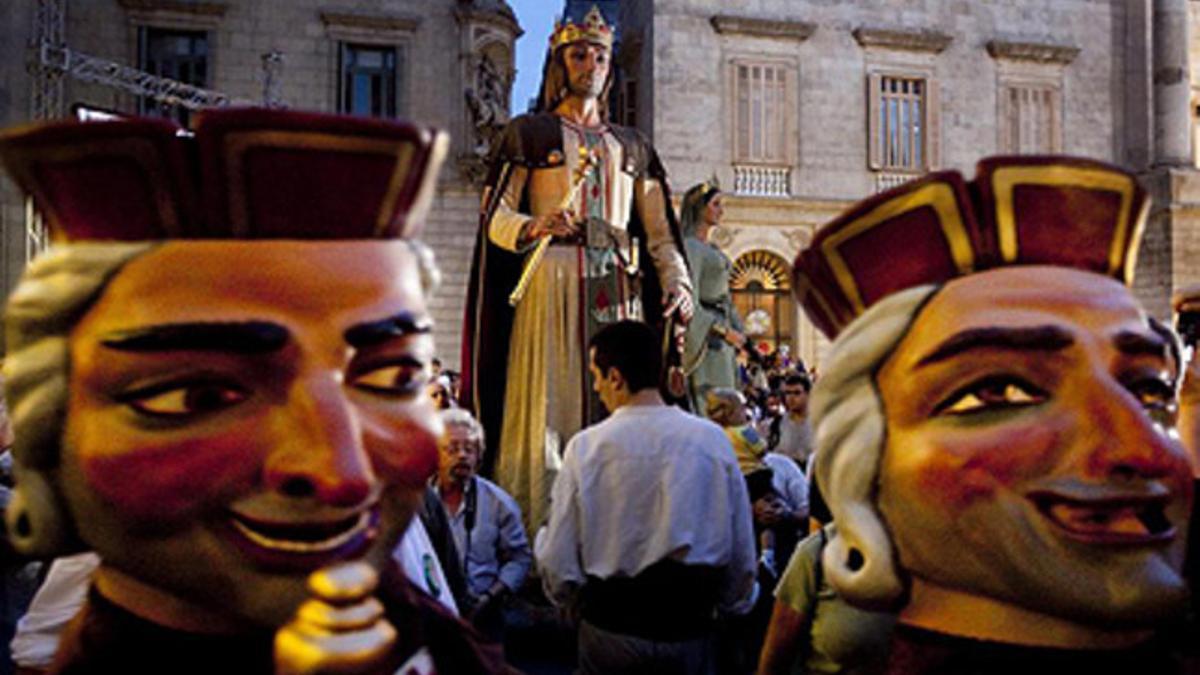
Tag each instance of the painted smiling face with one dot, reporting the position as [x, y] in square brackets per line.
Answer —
[1030, 452]
[242, 414]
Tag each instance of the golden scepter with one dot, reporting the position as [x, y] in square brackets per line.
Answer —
[588, 161]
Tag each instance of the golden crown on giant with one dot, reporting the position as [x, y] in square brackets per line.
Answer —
[593, 29]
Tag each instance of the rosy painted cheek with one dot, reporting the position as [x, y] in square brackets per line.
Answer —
[408, 455]
[964, 469]
[175, 479]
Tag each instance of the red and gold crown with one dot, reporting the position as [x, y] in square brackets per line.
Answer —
[593, 29]
[245, 174]
[1023, 210]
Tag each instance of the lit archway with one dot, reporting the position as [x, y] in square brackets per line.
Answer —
[762, 293]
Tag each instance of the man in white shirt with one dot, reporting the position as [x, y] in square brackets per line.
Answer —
[650, 530]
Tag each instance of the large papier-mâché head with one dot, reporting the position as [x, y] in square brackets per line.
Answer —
[995, 420]
[217, 372]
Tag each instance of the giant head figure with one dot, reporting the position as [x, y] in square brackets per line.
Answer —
[996, 418]
[217, 372]
[578, 61]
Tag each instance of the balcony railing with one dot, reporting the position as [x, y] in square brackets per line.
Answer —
[759, 180]
[886, 180]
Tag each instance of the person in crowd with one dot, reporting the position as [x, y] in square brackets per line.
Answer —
[996, 421]
[495, 552]
[728, 408]
[591, 199]
[18, 575]
[790, 434]
[440, 391]
[650, 530]
[218, 385]
[714, 335]
[812, 629]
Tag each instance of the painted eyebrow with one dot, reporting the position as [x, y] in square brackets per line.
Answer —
[374, 332]
[235, 337]
[1033, 338]
[1134, 343]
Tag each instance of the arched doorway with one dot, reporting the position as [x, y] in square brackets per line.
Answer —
[761, 285]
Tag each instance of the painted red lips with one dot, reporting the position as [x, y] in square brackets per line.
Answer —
[1130, 520]
[303, 544]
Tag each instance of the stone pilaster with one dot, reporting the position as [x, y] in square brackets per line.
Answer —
[1172, 84]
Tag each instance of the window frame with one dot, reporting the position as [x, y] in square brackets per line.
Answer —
[879, 157]
[147, 105]
[394, 104]
[1007, 117]
[787, 112]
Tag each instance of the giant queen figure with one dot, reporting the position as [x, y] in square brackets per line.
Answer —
[576, 218]
[995, 421]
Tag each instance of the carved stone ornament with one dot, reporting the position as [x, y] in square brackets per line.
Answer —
[722, 236]
[796, 238]
[769, 28]
[1032, 51]
[915, 40]
[487, 102]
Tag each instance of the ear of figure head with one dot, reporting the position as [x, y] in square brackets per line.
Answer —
[1000, 440]
[219, 417]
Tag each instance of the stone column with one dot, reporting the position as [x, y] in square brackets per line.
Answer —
[1172, 84]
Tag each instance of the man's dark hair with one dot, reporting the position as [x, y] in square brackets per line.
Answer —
[632, 348]
[798, 378]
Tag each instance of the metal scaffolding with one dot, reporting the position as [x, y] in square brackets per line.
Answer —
[51, 61]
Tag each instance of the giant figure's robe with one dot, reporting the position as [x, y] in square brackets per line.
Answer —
[525, 368]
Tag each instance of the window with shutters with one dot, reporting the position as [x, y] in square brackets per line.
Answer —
[1030, 118]
[760, 115]
[368, 82]
[180, 55]
[902, 130]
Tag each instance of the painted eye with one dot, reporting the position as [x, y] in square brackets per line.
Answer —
[395, 379]
[185, 399]
[991, 394]
[1157, 397]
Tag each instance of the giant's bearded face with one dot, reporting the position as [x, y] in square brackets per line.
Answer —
[1030, 453]
[243, 413]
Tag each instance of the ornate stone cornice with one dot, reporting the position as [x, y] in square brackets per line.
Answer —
[504, 20]
[212, 9]
[770, 28]
[384, 23]
[920, 40]
[1032, 51]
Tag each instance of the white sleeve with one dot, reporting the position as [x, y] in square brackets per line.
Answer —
[58, 600]
[419, 560]
[507, 226]
[792, 483]
[557, 546]
[740, 589]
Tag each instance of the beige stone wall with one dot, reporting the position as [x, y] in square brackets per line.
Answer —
[692, 99]
[435, 69]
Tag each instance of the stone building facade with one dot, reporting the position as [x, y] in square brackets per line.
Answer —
[445, 63]
[799, 107]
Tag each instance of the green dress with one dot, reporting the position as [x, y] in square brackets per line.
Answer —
[709, 360]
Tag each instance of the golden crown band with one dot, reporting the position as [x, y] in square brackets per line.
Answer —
[593, 29]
